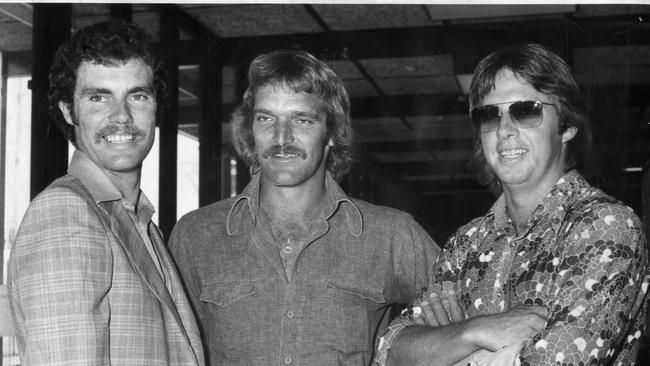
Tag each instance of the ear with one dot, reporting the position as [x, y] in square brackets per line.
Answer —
[65, 110]
[569, 134]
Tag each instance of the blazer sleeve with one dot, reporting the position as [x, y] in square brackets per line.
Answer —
[59, 277]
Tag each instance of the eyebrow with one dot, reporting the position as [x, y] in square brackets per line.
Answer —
[315, 116]
[138, 89]
[141, 89]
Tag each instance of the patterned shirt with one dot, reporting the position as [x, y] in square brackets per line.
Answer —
[582, 254]
[358, 260]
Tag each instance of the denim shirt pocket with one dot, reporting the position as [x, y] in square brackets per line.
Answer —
[226, 293]
[350, 307]
[362, 293]
[227, 318]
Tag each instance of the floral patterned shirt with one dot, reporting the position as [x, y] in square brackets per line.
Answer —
[582, 254]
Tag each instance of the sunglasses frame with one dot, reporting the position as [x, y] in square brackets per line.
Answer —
[515, 121]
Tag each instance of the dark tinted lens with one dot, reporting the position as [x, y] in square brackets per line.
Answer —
[527, 113]
[485, 118]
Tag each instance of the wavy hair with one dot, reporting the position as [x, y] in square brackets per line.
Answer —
[107, 43]
[299, 72]
[547, 73]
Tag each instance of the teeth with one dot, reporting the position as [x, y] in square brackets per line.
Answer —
[285, 155]
[117, 139]
[513, 153]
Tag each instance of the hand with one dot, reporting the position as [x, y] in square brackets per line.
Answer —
[497, 331]
[441, 308]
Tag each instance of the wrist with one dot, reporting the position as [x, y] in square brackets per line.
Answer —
[470, 332]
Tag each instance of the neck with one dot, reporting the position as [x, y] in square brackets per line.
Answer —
[292, 203]
[128, 183]
[522, 201]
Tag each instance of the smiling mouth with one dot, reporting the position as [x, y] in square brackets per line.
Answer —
[285, 156]
[512, 153]
[119, 139]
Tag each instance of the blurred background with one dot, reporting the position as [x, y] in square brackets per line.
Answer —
[407, 68]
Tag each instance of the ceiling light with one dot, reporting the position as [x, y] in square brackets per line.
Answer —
[633, 169]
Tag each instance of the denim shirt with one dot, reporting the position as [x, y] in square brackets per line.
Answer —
[360, 259]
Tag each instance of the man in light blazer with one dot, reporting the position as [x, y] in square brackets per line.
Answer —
[90, 279]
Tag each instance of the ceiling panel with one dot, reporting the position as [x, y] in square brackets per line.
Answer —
[16, 12]
[375, 16]
[409, 66]
[478, 11]
[345, 69]
[360, 88]
[252, 20]
[90, 9]
[15, 36]
[419, 85]
[610, 9]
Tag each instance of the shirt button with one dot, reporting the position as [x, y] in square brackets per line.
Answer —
[288, 250]
[287, 360]
[290, 314]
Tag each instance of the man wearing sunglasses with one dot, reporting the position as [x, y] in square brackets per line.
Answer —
[557, 271]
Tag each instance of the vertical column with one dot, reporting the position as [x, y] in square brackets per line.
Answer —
[210, 124]
[645, 201]
[3, 139]
[49, 160]
[168, 122]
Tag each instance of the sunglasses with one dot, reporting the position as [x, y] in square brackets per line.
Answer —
[523, 114]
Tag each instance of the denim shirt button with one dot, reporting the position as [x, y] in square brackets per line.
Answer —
[287, 360]
[290, 314]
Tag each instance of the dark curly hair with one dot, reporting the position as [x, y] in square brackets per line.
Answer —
[300, 72]
[106, 43]
[547, 73]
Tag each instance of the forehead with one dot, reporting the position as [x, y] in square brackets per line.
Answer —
[132, 73]
[280, 97]
[508, 86]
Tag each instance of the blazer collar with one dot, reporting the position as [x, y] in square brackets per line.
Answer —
[102, 188]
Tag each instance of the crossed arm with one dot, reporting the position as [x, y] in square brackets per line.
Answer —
[596, 296]
[447, 338]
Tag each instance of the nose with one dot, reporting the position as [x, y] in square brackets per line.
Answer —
[121, 112]
[283, 133]
[506, 127]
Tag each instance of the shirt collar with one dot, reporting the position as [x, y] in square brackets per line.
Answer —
[556, 202]
[102, 189]
[247, 204]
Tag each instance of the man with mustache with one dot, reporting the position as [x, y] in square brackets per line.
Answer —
[293, 271]
[90, 280]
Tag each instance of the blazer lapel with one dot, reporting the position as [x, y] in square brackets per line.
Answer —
[129, 237]
[182, 310]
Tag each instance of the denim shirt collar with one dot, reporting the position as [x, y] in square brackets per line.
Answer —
[555, 203]
[247, 205]
[102, 189]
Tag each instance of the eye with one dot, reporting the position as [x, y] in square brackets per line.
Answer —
[140, 97]
[263, 118]
[304, 121]
[96, 98]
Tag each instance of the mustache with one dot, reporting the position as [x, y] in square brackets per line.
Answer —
[121, 130]
[284, 149]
